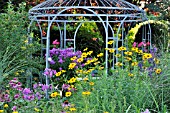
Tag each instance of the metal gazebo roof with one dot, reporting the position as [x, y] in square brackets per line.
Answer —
[120, 8]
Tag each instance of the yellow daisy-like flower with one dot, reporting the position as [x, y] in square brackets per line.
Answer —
[53, 95]
[105, 112]
[139, 51]
[68, 94]
[86, 93]
[100, 55]
[122, 48]
[72, 65]
[6, 106]
[36, 109]
[72, 80]
[91, 83]
[118, 55]
[110, 42]
[134, 64]
[128, 53]
[15, 112]
[84, 55]
[118, 64]
[58, 74]
[73, 58]
[95, 63]
[80, 60]
[156, 61]
[146, 56]
[1, 111]
[111, 50]
[72, 109]
[158, 71]
[85, 49]
[135, 49]
[128, 58]
[85, 79]
[101, 67]
[130, 74]
[79, 71]
[63, 71]
[89, 53]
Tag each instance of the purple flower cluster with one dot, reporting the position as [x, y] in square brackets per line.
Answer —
[5, 98]
[49, 72]
[62, 54]
[15, 84]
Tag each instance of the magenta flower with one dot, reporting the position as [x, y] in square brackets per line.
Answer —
[146, 111]
[55, 42]
[134, 44]
[14, 108]
[26, 91]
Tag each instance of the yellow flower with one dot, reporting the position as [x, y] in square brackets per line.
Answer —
[139, 51]
[110, 42]
[89, 53]
[111, 50]
[105, 112]
[95, 63]
[85, 79]
[100, 55]
[53, 95]
[72, 80]
[68, 94]
[73, 58]
[58, 73]
[158, 71]
[85, 49]
[156, 61]
[128, 53]
[146, 56]
[1, 111]
[135, 49]
[86, 93]
[15, 112]
[6, 106]
[72, 65]
[118, 64]
[63, 71]
[130, 74]
[84, 55]
[72, 109]
[37, 110]
[26, 41]
[118, 55]
[91, 83]
[122, 48]
[101, 68]
[134, 64]
[128, 58]
[80, 60]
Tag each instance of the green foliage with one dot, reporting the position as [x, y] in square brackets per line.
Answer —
[14, 50]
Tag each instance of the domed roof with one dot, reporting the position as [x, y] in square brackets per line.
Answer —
[106, 6]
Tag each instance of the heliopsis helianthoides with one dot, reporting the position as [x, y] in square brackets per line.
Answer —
[72, 65]
[111, 50]
[100, 55]
[84, 55]
[158, 71]
[79, 60]
[119, 64]
[86, 93]
[36, 109]
[68, 94]
[53, 95]
[146, 56]
[156, 61]
[130, 74]
[122, 48]
[128, 58]
[91, 83]
[6, 106]
[110, 42]
[134, 49]
[1, 111]
[73, 58]
[58, 74]
[72, 109]
[85, 49]
[89, 53]
[128, 53]
[72, 80]
[134, 63]
[118, 55]
[85, 79]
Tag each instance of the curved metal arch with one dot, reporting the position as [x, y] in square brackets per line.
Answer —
[76, 33]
